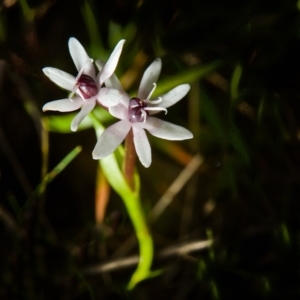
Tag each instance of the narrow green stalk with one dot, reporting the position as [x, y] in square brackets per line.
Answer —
[234, 84]
[32, 203]
[57, 169]
[132, 202]
[40, 189]
[136, 213]
[144, 238]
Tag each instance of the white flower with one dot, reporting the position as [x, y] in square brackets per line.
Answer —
[86, 87]
[135, 114]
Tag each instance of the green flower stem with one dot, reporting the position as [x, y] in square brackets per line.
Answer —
[132, 202]
[136, 213]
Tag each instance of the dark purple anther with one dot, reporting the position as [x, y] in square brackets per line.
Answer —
[87, 86]
[136, 112]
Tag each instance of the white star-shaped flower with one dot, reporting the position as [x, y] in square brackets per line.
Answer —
[86, 88]
[136, 114]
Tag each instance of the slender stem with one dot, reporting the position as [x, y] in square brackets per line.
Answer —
[123, 184]
[129, 160]
[137, 216]
[144, 238]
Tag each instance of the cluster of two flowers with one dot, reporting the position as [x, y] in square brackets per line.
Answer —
[135, 114]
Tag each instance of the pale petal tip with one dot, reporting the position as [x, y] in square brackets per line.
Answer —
[146, 162]
[74, 126]
[72, 40]
[184, 88]
[147, 165]
[119, 46]
[96, 153]
[121, 42]
[95, 156]
[189, 135]
[46, 71]
[47, 107]
[188, 87]
[186, 135]
[158, 62]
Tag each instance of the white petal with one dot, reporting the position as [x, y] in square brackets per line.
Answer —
[112, 62]
[61, 78]
[89, 69]
[125, 99]
[110, 139]
[174, 95]
[80, 57]
[166, 130]
[64, 105]
[142, 145]
[109, 97]
[85, 110]
[150, 76]
[113, 81]
[119, 111]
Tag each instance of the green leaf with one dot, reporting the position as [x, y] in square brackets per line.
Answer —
[187, 76]
[40, 189]
[234, 85]
[97, 48]
[62, 123]
[212, 116]
[238, 142]
[115, 34]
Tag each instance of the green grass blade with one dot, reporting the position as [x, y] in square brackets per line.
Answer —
[187, 76]
[57, 170]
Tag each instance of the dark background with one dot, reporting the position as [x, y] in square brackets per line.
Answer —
[245, 195]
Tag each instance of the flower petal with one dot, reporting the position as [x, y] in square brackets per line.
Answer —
[110, 139]
[125, 99]
[172, 96]
[166, 130]
[119, 111]
[150, 76]
[61, 78]
[64, 105]
[109, 97]
[80, 58]
[86, 108]
[113, 81]
[112, 62]
[142, 145]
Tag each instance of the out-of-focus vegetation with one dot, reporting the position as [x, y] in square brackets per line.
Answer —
[59, 219]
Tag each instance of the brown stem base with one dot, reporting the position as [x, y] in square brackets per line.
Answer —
[129, 160]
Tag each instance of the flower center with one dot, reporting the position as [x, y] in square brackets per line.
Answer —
[87, 87]
[136, 110]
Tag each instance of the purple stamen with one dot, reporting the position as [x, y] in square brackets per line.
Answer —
[136, 110]
[87, 86]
